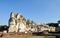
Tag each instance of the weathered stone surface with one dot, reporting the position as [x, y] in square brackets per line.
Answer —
[17, 23]
[12, 22]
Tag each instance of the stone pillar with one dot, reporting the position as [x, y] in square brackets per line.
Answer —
[22, 24]
[17, 22]
[12, 23]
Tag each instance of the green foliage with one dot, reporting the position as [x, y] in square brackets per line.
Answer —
[3, 27]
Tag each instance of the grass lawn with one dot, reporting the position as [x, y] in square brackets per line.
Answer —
[25, 36]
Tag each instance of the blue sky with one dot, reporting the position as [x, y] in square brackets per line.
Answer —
[44, 11]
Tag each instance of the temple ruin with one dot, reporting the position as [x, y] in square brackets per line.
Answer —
[17, 23]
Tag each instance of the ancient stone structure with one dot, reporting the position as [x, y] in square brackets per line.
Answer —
[42, 27]
[21, 23]
[17, 23]
[31, 25]
[12, 22]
